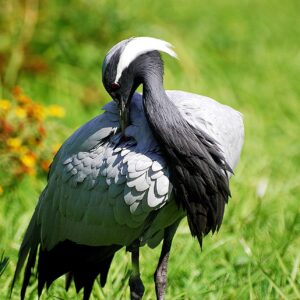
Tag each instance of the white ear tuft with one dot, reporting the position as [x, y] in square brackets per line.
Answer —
[138, 46]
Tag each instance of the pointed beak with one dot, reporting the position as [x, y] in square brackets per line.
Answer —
[123, 114]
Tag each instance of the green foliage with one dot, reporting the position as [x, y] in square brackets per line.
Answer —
[3, 263]
[244, 54]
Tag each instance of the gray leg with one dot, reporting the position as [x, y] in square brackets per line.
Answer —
[160, 275]
[135, 283]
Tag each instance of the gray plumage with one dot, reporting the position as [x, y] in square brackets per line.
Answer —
[110, 188]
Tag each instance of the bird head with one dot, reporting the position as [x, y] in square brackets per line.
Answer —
[126, 65]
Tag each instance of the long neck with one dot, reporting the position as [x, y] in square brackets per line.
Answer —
[162, 114]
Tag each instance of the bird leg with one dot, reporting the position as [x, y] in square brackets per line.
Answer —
[135, 283]
[160, 275]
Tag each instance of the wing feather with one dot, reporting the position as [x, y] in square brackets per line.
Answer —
[153, 198]
[102, 189]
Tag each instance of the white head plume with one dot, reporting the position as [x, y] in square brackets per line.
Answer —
[138, 46]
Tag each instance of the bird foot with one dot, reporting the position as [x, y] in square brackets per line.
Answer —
[136, 288]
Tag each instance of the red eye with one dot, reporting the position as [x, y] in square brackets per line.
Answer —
[114, 86]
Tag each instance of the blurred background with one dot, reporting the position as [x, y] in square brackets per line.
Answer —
[245, 54]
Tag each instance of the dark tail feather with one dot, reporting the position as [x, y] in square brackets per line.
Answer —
[81, 263]
[28, 270]
[29, 246]
[85, 277]
[69, 278]
[104, 270]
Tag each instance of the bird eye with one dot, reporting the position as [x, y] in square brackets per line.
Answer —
[115, 86]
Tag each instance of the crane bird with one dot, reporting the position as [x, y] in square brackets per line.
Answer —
[130, 175]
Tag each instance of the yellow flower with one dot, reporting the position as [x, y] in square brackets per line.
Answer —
[28, 160]
[20, 112]
[55, 148]
[55, 111]
[14, 143]
[5, 105]
[1, 190]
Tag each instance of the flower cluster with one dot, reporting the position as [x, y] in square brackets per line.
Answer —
[24, 140]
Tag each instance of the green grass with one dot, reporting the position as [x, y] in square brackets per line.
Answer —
[242, 53]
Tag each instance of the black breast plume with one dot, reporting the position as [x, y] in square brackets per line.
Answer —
[198, 170]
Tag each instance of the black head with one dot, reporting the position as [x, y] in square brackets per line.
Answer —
[128, 63]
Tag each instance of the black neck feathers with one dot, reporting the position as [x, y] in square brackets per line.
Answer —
[198, 170]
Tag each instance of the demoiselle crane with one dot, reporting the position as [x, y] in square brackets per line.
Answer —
[127, 177]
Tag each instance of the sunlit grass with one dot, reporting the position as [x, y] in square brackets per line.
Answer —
[242, 53]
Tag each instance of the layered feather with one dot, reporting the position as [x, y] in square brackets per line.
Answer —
[104, 192]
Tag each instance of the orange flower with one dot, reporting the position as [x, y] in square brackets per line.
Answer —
[16, 91]
[30, 171]
[42, 130]
[36, 112]
[24, 100]
[45, 164]
[1, 190]
[6, 127]
[20, 97]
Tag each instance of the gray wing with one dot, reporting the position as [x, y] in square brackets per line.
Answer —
[221, 122]
[102, 189]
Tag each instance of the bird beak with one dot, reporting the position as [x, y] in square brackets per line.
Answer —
[123, 114]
